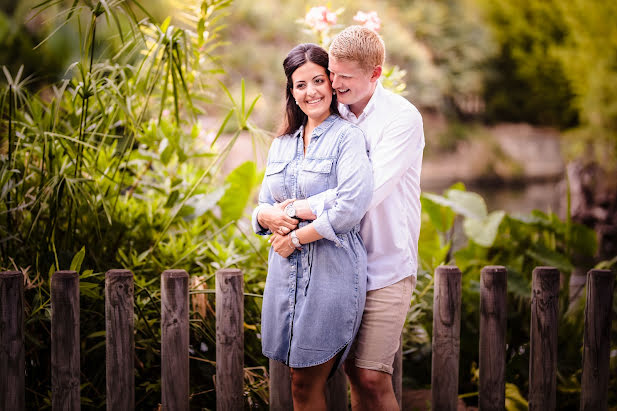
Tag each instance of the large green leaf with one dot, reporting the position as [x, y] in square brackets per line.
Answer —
[461, 202]
[550, 258]
[441, 217]
[583, 239]
[241, 182]
[484, 231]
[198, 204]
[467, 203]
[78, 259]
[514, 400]
[431, 251]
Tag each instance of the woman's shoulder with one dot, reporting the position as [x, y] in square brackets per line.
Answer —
[348, 130]
[284, 139]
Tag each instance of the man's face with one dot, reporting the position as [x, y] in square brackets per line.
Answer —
[353, 85]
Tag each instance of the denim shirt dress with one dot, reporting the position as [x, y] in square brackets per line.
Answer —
[314, 299]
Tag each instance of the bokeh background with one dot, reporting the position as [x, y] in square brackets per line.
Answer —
[133, 134]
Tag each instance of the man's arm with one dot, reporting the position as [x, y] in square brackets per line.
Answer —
[401, 144]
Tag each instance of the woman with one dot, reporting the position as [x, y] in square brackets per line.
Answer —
[316, 284]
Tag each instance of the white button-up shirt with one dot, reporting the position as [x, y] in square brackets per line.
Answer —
[391, 227]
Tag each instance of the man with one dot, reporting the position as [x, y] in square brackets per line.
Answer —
[391, 226]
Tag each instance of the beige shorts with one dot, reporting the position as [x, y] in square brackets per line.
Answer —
[379, 335]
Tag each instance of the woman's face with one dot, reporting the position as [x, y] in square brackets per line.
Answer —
[312, 90]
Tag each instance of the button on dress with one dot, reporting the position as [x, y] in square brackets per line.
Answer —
[313, 300]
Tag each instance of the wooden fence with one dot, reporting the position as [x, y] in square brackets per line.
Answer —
[230, 342]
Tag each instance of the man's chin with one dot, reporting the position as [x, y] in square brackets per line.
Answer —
[344, 98]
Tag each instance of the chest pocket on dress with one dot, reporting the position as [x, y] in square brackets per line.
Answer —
[275, 178]
[316, 173]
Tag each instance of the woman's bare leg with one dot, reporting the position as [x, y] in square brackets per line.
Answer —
[308, 386]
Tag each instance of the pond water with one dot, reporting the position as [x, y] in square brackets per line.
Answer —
[523, 198]
[544, 196]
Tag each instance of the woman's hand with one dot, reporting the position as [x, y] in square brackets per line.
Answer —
[282, 244]
[274, 218]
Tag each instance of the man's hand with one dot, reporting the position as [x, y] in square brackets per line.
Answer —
[274, 218]
[282, 244]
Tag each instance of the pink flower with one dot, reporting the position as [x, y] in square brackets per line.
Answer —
[320, 18]
[369, 20]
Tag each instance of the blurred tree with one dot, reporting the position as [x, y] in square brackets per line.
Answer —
[8, 6]
[526, 81]
[588, 55]
[21, 29]
[459, 45]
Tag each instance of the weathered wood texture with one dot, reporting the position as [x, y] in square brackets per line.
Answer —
[119, 340]
[543, 344]
[446, 338]
[280, 387]
[175, 340]
[229, 340]
[336, 391]
[493, 299]
[12, 361]
[397, 375]
[65, 341]
[597, 343]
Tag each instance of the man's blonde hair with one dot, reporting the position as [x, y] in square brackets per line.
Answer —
[359, 44]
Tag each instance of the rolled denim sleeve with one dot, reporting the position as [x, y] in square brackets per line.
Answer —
[255, 223]
[354, 187]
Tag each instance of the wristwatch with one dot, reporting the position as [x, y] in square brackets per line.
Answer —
[290, 210]
[294, 239]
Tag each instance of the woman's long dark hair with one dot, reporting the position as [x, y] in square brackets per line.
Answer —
[298, 56]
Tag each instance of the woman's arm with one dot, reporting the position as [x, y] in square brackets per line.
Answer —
[268, 217]
[354, 190]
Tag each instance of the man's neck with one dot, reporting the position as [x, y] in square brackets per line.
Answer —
[358, 107]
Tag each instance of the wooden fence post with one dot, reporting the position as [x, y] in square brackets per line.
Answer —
[280, 387]
[597, 343]
[493, 299]
[65, 341]
[446, 338]
[119, 340]
[397, 375]
[229, 340]
[12, 360]
[175, 340]
[336, 391]
[543, 345]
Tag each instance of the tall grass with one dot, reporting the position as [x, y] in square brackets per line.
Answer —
[96, 174]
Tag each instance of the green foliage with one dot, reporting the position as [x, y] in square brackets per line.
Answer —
[555, 65]
[587, 55]
[527, 82]
[458, 229]
[108, 169]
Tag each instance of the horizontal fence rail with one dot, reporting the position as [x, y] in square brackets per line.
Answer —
[120, 345]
